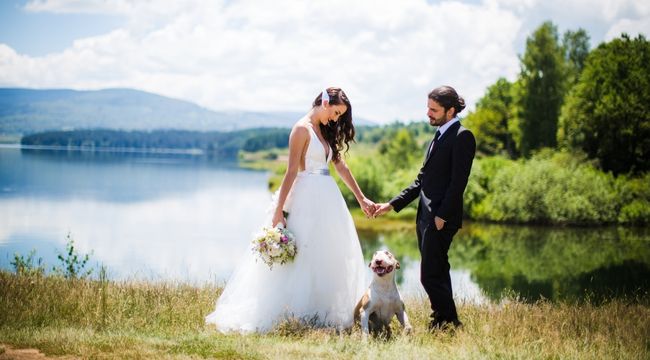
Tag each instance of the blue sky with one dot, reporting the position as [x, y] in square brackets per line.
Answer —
[41, 33]
[240, 54]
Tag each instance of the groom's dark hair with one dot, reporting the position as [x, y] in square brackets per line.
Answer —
[447, 97]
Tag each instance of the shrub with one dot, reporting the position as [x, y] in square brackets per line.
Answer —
[560, 188]
[73, 264]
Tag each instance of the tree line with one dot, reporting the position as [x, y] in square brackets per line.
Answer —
[223, 144]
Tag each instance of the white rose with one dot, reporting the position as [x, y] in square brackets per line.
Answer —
[275, 250]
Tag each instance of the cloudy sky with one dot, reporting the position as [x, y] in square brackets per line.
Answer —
[278, 55]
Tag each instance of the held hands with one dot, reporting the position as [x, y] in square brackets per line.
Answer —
[373, 210]
[368, 206]
[381, 209]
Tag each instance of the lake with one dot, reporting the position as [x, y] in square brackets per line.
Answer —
[190, 218]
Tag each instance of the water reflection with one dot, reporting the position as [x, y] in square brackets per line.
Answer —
[169, 218]
[537, 262]
[560, 263]
[111, 177]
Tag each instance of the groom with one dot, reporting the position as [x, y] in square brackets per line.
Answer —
[440, 185]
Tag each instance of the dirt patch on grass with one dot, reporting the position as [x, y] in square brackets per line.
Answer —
[9, 353]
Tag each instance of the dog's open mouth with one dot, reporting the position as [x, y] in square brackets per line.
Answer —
[381, 271]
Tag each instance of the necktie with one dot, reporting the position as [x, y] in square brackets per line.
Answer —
[433, 143]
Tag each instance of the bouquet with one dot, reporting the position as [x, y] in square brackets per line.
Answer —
[274, 245]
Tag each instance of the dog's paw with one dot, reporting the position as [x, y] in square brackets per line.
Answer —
[364, 337]
[408, 330]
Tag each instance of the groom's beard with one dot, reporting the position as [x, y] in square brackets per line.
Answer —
[437, 121]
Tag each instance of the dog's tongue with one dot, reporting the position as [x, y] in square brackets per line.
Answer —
[380, 270]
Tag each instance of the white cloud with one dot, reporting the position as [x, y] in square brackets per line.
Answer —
[580, 9]
[629, 26]
[253, 55]
[80, 6]
[603, 19]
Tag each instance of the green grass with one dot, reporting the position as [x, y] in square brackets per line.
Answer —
[269, 160]
[108, 319]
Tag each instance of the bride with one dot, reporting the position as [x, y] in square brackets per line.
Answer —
[328, 275]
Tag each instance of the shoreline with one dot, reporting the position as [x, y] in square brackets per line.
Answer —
[197, 152]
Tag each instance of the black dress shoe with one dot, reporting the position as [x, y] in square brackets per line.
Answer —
[444, 325]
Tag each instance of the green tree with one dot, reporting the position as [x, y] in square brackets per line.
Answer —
[401, 150]
[576, 50]
[492, 120]
[607, 114]
[542, 89]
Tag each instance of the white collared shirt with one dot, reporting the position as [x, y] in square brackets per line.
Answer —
[447, 125]
[442, 130]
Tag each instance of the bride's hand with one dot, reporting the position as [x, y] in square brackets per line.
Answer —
[368, 206]
[278, 218]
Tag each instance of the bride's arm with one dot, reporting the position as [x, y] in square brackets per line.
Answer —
[297, 142]
[344, 172]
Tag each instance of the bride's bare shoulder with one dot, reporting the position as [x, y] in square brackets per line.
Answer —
[300, 129]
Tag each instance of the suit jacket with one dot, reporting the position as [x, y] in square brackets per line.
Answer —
[442, 179]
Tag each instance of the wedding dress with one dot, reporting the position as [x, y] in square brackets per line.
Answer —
[328, 275]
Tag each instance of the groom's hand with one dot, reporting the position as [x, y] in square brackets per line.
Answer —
[440, 223]
[382, 209]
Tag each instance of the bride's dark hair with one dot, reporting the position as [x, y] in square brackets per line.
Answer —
[337, 133]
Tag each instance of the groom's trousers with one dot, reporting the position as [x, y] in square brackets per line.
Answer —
[434, 271]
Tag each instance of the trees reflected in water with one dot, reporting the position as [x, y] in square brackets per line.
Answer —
[569, 264]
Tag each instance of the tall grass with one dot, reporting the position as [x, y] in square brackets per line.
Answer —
[44, 301]
[98, 318]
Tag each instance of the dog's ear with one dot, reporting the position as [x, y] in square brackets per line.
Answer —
[397, 265]
[370, 263]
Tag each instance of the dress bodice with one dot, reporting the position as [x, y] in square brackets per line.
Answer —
[316, 159]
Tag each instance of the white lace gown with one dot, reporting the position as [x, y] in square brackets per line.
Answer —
[328, 275]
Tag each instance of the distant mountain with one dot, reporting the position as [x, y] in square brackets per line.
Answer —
[28, 111]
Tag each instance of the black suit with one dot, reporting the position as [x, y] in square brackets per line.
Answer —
[440, 185]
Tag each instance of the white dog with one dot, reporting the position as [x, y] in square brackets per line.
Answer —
[382, 300]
